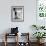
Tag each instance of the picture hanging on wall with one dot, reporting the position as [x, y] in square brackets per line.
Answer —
[17, 13]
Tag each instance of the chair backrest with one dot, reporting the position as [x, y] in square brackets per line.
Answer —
[24, 37]
[14, 30]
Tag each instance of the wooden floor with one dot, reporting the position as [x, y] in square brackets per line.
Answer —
[13, 44]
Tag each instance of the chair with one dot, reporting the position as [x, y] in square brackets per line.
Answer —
[26, 41]
[14, 32]
[7, 35]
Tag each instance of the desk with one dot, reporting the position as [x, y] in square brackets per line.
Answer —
[18, 43]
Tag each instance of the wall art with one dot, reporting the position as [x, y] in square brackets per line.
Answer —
[17, 13]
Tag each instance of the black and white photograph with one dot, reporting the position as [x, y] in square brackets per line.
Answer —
[17, 13]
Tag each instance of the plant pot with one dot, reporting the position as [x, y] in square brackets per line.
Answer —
[40, 41]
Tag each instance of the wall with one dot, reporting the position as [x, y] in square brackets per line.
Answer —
[29, 15]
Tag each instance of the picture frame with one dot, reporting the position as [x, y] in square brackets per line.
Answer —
[17, 13]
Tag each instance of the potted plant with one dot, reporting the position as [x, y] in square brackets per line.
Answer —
[39, 35]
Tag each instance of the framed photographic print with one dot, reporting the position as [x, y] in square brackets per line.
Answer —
[17, 13]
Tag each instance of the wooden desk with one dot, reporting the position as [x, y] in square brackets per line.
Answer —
[17, 43]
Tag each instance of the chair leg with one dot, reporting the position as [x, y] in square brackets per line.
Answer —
[5, 40]
[5, 43]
